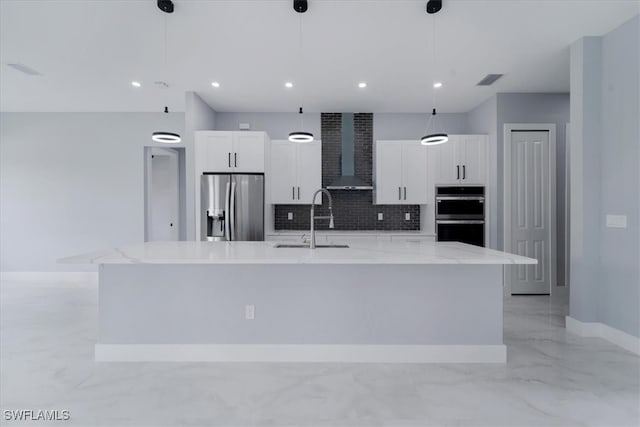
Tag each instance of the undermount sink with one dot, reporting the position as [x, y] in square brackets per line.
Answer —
[306, 246]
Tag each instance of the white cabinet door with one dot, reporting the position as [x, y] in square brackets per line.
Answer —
[248, 151]
[414, 170]
[444, 162]
[215, 151]
[472, 153]
[309, 176]
[388, 173]
[283, 172]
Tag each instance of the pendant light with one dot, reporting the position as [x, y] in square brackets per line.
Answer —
[300, 6]
[434, 133]
[163, 136]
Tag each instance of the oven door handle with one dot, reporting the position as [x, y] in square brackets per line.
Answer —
[460, 198]
[460, 221]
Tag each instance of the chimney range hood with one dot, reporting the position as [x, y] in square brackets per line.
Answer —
[348, 180]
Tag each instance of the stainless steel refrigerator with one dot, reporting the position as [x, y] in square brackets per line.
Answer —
[232, 207]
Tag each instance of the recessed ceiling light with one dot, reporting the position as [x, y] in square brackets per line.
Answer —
[362, 85]
[135, 84]
[288, 85]
[215, 84]
[437, 84]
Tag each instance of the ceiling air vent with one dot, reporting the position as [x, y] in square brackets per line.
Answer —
[489, 79]
[24, 69]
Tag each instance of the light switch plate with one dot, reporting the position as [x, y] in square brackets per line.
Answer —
[290, 216]
[380, 216]
[407, 216]
[616, 221]
[250, 312]
[244, 126]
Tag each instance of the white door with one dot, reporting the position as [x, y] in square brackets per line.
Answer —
[472, 154]
[309, 163]
[530, 211]
[164, 196]
[388, 173]
[444, 161]
[283, 172]
[248, 152]
[414, 169]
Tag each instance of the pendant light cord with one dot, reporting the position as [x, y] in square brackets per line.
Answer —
[300, 70]
[166, 63]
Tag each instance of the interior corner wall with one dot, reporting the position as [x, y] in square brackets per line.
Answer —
[72, 183]
[198, 116]
[605, 178]
[484, 120]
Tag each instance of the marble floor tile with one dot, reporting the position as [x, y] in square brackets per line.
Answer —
[552, 378]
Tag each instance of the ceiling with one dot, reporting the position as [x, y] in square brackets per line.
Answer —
[89, 51]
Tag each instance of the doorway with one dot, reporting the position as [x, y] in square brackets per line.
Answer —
[164, 193]
[530, 206]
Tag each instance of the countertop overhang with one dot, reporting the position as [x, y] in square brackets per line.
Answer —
[194, 252]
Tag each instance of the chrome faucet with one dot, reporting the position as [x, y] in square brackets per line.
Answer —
[313, 217]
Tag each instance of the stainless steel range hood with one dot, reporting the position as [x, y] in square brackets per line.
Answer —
[348, 180]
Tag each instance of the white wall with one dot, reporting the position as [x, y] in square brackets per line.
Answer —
[605, 178]
[414, 125]
[277, 125]
[72, 183]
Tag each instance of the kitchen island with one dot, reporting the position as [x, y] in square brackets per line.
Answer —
[413, 302]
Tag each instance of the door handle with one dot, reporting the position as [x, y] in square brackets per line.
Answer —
[298, 193]
[235, 160]
[458, 175]
[229, 159]
[399, 193]
[405, 193]
[464, 171]
[227, 211]
[232, 217]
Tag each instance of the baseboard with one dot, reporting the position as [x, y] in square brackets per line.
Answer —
[606, 332]
[301, 353]
[75, 277]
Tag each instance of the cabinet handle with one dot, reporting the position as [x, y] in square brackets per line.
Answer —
[298, 193]
[399, 193]
[458, 168]
[235, 160]
[229, 159]
[464, 171]
[293, 193]
[405, 193]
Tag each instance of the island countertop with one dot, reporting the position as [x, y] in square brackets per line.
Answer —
[195, 252]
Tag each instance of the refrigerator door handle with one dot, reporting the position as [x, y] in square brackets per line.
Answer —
[232, 217]
[227, 212]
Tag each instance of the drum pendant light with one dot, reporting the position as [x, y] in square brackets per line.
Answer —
[434, 134]
[300, 136]
[162, 136]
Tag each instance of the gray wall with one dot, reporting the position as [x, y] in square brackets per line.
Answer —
[72, 183]
[198, 116]
[484, 120]
[413, 125]
[277, 125]
[605, 177]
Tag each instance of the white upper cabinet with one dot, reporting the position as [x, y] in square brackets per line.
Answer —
[234, 152]
[400, 169]
[462, 160]
[295, 171]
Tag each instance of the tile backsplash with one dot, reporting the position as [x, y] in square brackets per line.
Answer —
[352, 209]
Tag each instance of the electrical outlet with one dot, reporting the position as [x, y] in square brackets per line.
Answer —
[380, 216]
[250, 312]
[290, 216]
[407, 216]
[617, 221]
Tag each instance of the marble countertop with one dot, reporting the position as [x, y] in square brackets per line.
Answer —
[193, 252]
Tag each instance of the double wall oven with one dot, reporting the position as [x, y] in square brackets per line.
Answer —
[460, 214]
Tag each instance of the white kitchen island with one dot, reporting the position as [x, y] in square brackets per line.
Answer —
[413, 302]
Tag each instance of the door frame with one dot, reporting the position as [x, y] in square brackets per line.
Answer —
[506, 180]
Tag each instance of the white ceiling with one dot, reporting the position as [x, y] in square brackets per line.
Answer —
[90, 51]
